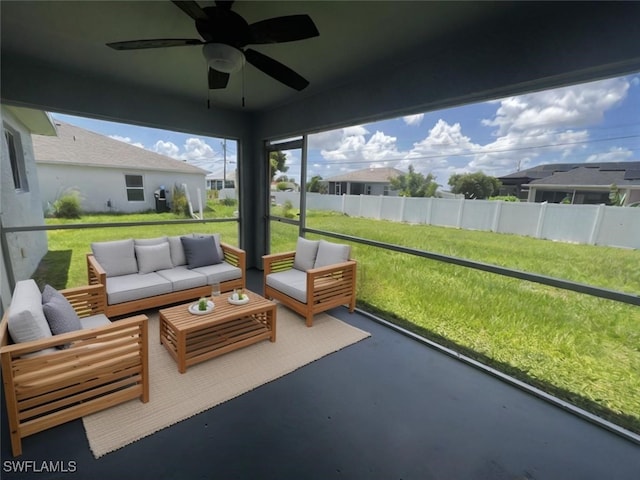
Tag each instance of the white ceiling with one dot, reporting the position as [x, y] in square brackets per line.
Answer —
[371, 59]
[354, 37]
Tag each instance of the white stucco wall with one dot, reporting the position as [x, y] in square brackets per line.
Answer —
[99, 186]
[20, 208]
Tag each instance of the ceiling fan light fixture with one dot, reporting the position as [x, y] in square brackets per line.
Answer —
[223, 57]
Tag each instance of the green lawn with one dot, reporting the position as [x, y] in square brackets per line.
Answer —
[581, 348]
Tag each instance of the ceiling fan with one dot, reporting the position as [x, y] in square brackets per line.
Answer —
[225, 38]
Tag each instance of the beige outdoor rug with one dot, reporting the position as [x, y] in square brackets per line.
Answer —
[175, 397]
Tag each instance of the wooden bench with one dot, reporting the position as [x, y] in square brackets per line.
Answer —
[232, 255]
[101, 367]
[326, 287]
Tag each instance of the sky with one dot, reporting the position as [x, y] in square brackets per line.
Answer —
[591, 122]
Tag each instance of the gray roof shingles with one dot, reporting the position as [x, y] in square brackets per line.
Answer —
[76, 146]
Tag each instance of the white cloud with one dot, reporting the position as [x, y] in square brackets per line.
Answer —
[615, 154]
[575, 106]
[127, 140]
[169, 149]
[543, 127]
[413, 120]
[197, 149]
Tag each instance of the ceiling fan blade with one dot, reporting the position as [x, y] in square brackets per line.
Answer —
[217, 79]
[283, 29]
[275, 69]
[192, 9]
[154, 43]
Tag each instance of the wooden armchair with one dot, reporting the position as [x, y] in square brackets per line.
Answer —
[102, 367]
[312, 290]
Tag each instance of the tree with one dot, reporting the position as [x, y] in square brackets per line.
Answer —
[316, 185]
[475, 185]
[616, 196]
[414, 184]
[277, 163]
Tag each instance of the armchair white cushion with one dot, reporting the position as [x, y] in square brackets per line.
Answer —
[306, 251]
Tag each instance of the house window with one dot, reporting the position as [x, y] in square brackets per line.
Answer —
[16, 158]
[368, 189]
[386, 190]
[338, 188]
[135, 188]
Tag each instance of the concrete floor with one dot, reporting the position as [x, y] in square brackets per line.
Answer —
[388, 407]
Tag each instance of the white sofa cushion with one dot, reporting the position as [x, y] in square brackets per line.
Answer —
[177, 251]
[306, 251]
[153, 257]
[126, 288]
[150, 241]
[291, 282]
[331, 253]
[221, 272]
[27, 321]
[95, 321]
[182, 278]
[116, 257]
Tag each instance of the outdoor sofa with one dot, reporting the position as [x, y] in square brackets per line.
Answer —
[140, 274]
[317, 276]
[62, 358]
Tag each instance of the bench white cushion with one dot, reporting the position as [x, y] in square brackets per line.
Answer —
[95, 321]
[153, 257]
[331, 253]
[306, 251]
[116, 257]
[135, 286]
[177, 251]
[182, 278]
[26, 321]
[221, 272]
[291, 282]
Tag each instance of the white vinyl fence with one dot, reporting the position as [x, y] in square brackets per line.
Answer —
[589, 224]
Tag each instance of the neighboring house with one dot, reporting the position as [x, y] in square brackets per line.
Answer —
[369, 181]
[20, 201]
[578, 183]
[220, 180]
[110, 175]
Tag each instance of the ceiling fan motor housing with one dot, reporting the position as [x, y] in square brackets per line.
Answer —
[223, 57]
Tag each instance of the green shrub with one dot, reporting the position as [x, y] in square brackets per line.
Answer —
[506, 198]
[228, 202]
[179, 203]
[286, 209]
[67, 206]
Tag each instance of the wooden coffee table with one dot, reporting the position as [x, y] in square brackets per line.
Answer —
[192, 339]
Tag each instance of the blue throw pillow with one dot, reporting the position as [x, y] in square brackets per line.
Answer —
[200, 252]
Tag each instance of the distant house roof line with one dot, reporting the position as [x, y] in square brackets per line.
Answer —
[549, 169]
[586, 176]
[369, 175]
[77, 146]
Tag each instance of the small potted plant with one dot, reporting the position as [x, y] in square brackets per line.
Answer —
[202, 304]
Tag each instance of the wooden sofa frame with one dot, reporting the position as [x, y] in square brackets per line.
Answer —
[232, 255]
[102, 367]
[327, 287]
